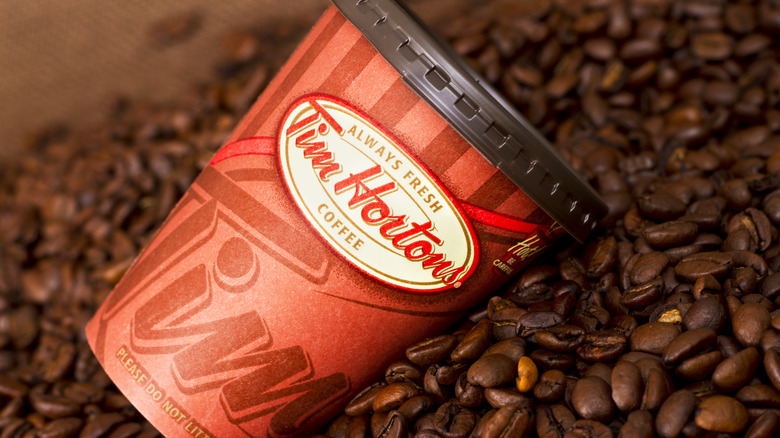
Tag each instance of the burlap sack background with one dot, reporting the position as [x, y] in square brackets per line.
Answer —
[66, 61]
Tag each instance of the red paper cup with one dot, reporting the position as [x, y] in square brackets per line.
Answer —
[375, 192]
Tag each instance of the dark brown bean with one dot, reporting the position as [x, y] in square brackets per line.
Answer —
[431, 350]
[492, 370]
[592, 399]
[627, 386]
[653, 337]
[749, 323]
[736, 371]
[689, 343]
[721, 413]
[675, 413]
[638, 424]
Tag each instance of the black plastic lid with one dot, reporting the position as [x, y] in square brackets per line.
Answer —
[478, 112]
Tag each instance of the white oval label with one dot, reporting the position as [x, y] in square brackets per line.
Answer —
[371, 200]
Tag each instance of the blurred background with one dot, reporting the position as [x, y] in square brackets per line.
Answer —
[65, 62]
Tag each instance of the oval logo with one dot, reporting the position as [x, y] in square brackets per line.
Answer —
[371, 200]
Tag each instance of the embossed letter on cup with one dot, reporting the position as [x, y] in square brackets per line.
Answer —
[375, 192]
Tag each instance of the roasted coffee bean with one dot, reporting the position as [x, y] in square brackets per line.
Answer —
[642, 295]
[603, 257]
[61, 428]
[500, 397]
[454, 421]
[772, 366]
[706, 312]
[689, 343]
[735, 371]
[448, 374]
[553, 421]
[601, 346]
[474, 343]
[638, 424]
[627, 386]
[758, 395]
[671, 234]
[749, 323]
[766, 425]
[415, 406]
[653, 337]
[561, 338]
[549, 360]
[492, 370]
[529, 323]
[592, 399]
[658, 386]
[394, 395]
[508, 421]
[721, 413]
[403, 370]
[675, 413]
[431, 350]
[550, 387]
[527, 374]
[700, 366]
[363, 402]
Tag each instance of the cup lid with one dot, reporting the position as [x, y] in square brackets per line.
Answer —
[478, 112]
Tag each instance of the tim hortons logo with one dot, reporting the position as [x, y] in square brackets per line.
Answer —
[371, 200]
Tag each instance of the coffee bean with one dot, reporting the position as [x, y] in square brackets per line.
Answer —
[642, 295]
[766, 425]
[529, 323]
[561, 338]
[363, 402]
[500, 397]
[403, 371]
[508, 421]
[772, 366]
[601, 346]
[721, 413]
[492, 370]
[674, 413]
[648, 267]
[61, 428]
[653, 337]
[100, 424]
[416, 406]
[627, 386]
[689, 343]
[660, 207]
[394, 395]
[671, 234]
[736, 371]
[431, 350]
[527, 374]
[592, 399]
[758, 395]
[474, 343]
[700, 366]
[638, 424]
[513, 348]
[453, 420]
[749, 323]
[550, 387]
[553, 421]
[706, 312]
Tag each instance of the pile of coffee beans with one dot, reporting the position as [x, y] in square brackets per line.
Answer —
[74, 213]
[665, 322]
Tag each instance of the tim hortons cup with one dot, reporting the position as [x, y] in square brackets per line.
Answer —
[374, 193]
